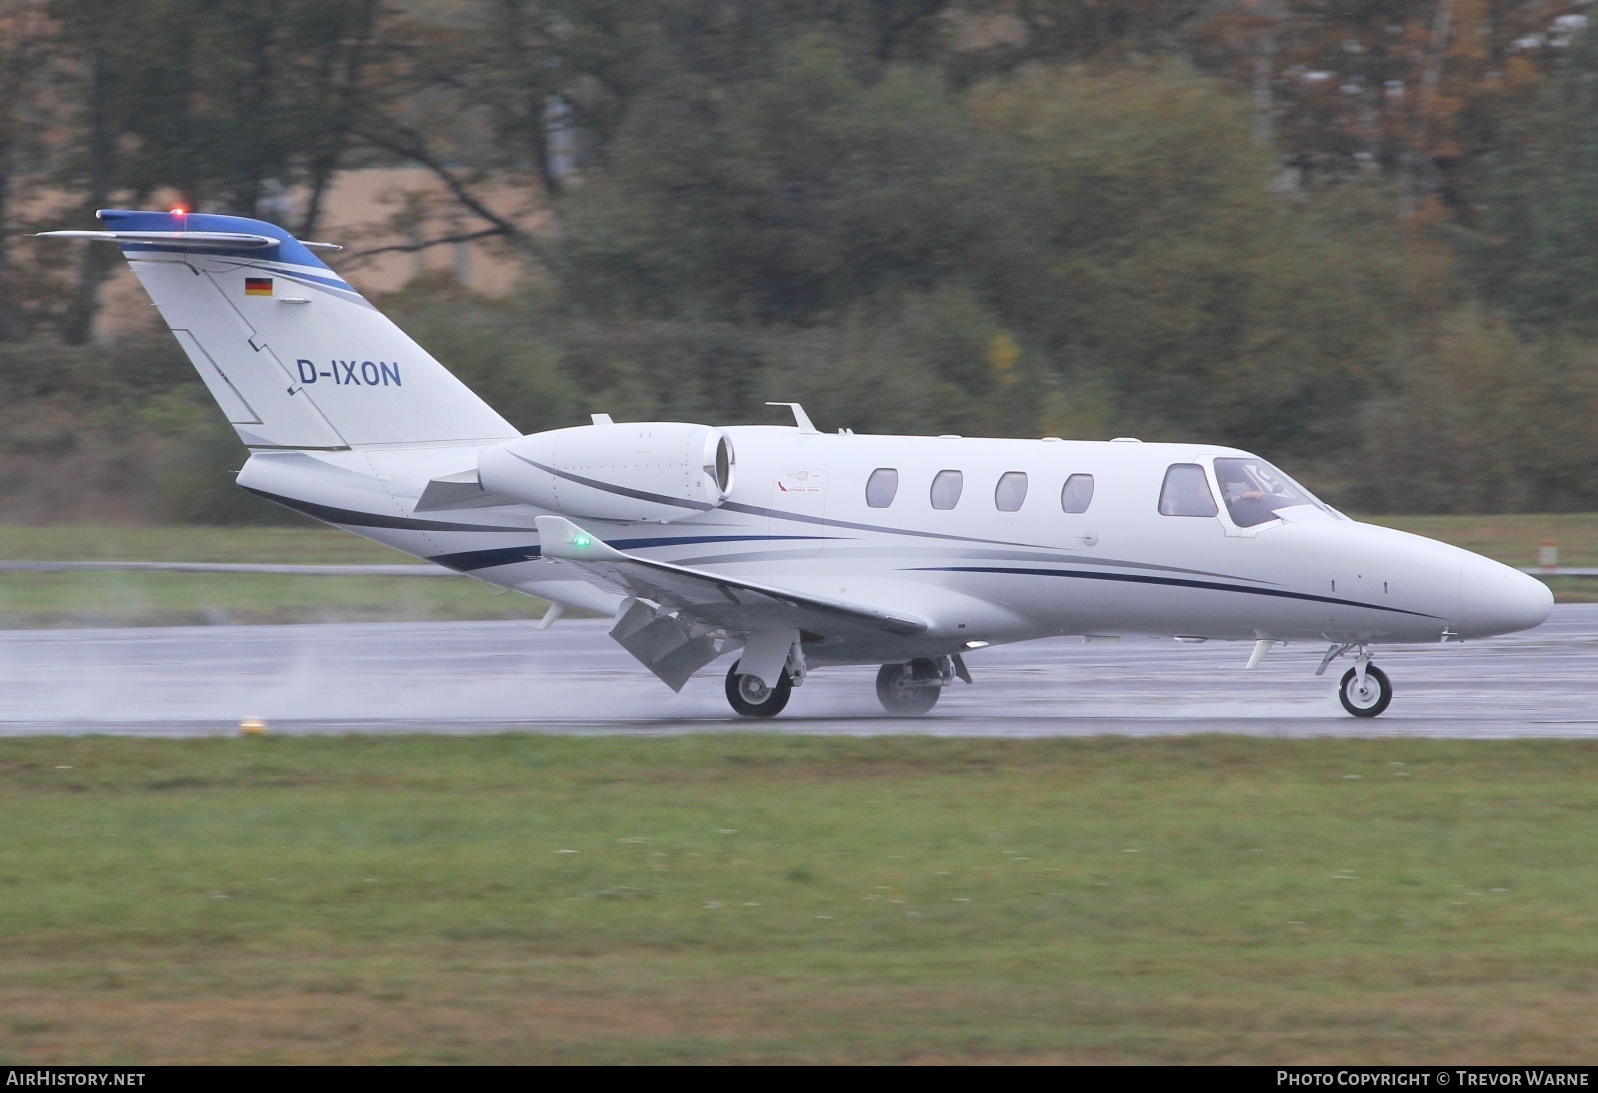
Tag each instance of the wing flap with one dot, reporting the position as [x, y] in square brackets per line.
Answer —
[718, 600]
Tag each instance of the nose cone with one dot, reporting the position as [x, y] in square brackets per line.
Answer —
[1495, 599]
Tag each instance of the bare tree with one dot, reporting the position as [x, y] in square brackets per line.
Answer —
[92, 266]
[339, 81]
[25, 30]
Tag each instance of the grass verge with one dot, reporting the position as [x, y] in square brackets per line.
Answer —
[760, 898]
[33, 600]
[36, 600]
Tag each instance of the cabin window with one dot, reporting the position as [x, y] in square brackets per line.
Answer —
[946, 489]
[1010, 492]
[1255, 491]
[1077, 494]
[881, 487]
[1186, 492]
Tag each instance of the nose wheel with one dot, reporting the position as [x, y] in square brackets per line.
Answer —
[1365, 697]
[750, 697]
[1365, 690]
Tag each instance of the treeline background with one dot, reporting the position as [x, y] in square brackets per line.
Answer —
[1360, 238]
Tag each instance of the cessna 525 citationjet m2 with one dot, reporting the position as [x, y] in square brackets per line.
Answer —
[793, 548]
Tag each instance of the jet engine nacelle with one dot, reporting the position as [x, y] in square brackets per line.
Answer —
[659, 471]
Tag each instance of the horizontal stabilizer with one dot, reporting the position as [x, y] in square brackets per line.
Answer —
[178, 240]
[735, 605]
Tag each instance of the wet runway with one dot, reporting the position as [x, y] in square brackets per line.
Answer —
[498, 676]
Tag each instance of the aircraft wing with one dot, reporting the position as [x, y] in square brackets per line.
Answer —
[731, 603]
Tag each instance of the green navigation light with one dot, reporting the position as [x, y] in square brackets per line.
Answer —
[582, 541]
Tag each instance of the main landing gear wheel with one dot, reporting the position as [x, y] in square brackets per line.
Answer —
[1370, 701]
[752, 698]
[909, 689]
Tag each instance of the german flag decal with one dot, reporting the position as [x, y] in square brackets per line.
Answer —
[258, 286]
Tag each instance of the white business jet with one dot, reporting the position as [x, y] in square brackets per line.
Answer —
[794, 548]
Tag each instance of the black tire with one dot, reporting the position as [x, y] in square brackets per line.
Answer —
[1379, 692]
[905, 690]
[751, 698]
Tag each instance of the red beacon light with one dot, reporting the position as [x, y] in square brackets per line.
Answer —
[179, 210]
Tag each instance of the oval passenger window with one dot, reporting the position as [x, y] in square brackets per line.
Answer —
[881, 487]
[1010, 492]
[946, 489]
[1077, 494]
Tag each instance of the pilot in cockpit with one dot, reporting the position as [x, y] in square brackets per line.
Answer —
[1246, 500]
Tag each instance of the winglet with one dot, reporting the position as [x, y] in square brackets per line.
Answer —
[563, 540]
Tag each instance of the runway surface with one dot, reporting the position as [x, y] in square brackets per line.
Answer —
[499, 676]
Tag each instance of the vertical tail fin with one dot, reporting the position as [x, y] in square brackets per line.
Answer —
[294, 356]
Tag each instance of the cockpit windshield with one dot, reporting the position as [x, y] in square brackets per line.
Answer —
[1255, 491]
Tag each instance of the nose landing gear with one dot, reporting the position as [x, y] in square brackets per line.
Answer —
[1365, 690]
[1365, 697]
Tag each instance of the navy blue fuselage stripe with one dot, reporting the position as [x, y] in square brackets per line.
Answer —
[639, 544]
[466, 561]
[1131, 578]
[351, 518]
[624, 491]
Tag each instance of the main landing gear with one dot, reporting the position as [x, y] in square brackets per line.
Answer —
[1365, 689]
[907, 690]
[750, 697]
[912, 689]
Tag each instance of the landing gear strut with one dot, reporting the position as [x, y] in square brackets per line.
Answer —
[750, 697]
[912, 689]
[1365, 689]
